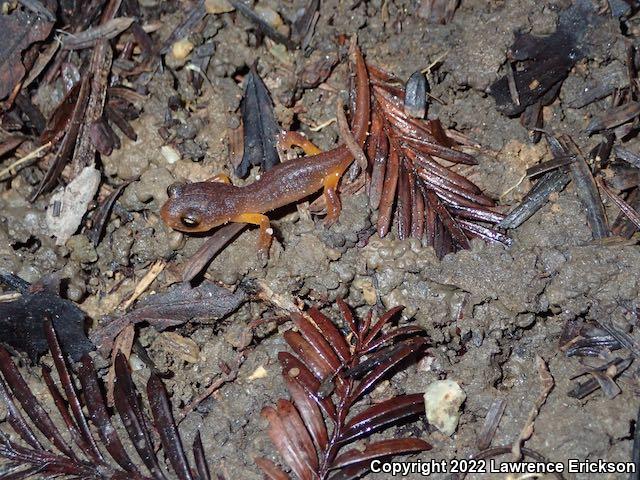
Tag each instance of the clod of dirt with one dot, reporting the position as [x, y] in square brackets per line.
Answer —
[442, 400]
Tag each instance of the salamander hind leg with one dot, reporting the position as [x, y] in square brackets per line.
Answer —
[331, 197]
[264, 238]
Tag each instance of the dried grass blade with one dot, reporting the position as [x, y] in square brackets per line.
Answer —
[30, 404]
[99, 415]
[587, 190]
[550, 182]
[624, 207]
[379, 449]
[383, 414]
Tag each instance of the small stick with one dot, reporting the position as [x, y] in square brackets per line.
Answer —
[16, 166]
[147, 280]
[230, 376]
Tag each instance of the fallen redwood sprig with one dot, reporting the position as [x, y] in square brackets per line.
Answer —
[96, 449]
[413, 177]
[327, 378]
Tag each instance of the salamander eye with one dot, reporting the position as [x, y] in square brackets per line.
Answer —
[174, 190]
[189, 220]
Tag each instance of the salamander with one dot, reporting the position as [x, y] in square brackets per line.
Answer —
[202, 206]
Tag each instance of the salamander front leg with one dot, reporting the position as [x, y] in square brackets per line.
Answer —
[220, 178]
[331, 198]
[264, 238]
[287, 140]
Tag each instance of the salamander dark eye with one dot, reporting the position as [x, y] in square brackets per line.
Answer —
[174, 190]
[189, 221]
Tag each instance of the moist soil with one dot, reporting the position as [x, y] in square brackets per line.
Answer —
[489, 311]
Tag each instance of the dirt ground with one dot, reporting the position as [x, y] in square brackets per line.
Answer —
[488, 311]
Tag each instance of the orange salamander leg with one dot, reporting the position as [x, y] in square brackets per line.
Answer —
[220, 177]
[264, 239]
[331, 197]
[287, 140]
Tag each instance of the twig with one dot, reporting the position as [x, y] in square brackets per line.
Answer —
[147, 280]
[547, 385]
[228, 377]
[16, 166]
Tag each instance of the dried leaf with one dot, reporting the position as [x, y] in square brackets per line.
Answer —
[179, 304]
[383, 448]
[22, 321]
[19, 30]
[260, 126]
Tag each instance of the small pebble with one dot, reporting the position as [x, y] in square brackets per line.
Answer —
[442, 400]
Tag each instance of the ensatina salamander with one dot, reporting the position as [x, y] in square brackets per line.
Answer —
[201, 206]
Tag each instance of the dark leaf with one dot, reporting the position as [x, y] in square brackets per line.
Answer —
[299, 373]
[270, 469]
[179, 304]
[614, 117]
[22, 322]
[281, 438]
[298, 433]
[587, 190]
[549, 183]
[99, 415]
[166, 427]
[86, 440]
[19, 30]
[30, 404]
[260, 126]
[404, 350]
[200, 459]
[310, 413]
[263, 26]
[318, 365]
[330, 332]
[415, 96]
[384, 319]
[316, 340]
[130, 410]
[379, 449]
[383, 414]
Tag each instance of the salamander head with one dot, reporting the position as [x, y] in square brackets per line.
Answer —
[198, 207]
